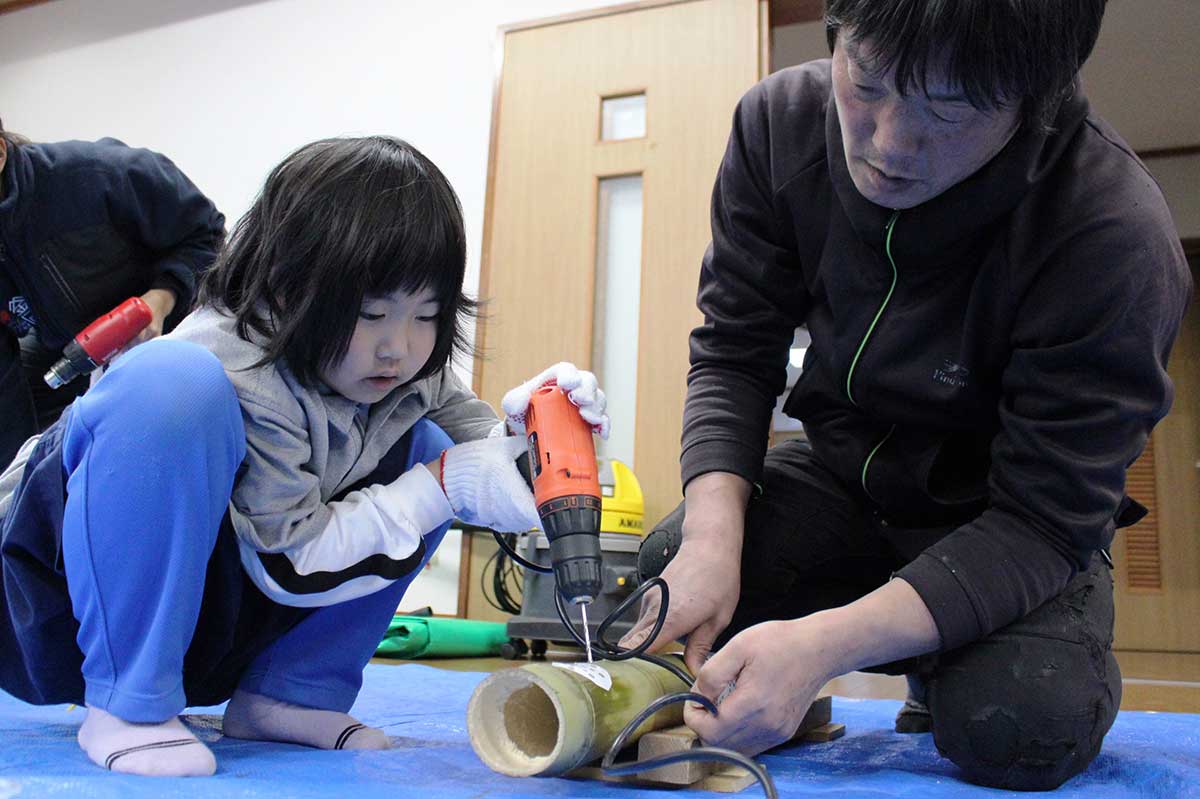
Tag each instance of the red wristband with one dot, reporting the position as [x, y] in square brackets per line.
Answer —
[442, 472]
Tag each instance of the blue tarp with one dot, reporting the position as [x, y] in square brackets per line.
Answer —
[423, 709]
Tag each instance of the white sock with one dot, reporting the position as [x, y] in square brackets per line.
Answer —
[166, 749]
[260, 718]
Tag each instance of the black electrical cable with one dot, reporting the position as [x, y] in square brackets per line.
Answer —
[512, 553]
[603, 649]
[518, 577]
[483, 584]
[500, 597]
[610, 651]
[503, 573]
[609, 765]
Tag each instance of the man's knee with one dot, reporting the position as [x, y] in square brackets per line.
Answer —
[1024, 717]
[660, 544]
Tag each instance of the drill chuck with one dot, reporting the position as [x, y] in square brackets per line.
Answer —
[571, 524]
[74, 362]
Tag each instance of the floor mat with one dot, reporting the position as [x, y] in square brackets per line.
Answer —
[424, 711]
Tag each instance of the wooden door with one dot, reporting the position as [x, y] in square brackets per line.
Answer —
[1157, 573]
[692, 60]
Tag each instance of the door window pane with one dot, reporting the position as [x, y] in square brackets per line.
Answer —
[618, 294]
[623, 117]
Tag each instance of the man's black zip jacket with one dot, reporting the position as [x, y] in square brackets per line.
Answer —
[86, 225]
[991, 360]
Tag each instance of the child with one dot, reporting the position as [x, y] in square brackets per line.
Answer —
[234, 511]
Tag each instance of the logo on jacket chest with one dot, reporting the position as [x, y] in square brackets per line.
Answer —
[951, 374]
[18, 316]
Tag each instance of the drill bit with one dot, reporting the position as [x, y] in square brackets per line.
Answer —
[587, 633]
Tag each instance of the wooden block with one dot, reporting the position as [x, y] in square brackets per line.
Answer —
[710, 775]
[727, 779]
[669, 741]
[825, 733]
[819, 712]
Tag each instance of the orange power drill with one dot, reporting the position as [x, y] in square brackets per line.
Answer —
[566, 489]
[100, 341]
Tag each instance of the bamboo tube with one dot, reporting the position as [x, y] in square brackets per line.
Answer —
[543, 720]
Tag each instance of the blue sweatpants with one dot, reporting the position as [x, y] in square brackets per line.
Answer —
[149, 457]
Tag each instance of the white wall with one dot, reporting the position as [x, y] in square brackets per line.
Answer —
[227, 88]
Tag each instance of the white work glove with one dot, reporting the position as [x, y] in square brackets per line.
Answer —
[482, 483]
[581, 388]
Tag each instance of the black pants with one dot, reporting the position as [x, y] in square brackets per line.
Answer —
[27, 404]
[1023, 708]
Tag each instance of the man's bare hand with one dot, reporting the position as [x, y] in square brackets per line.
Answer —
[161, 302]
[704, 577]
[775, 669]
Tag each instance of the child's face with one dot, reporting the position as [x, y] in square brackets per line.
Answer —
[393, 339]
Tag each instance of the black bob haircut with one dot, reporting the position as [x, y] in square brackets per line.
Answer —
[1000, 52]
[339, 221]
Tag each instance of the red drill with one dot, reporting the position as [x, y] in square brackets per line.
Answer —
[100, 341]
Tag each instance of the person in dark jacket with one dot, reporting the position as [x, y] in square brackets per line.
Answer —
[992, 284]
[84, 226]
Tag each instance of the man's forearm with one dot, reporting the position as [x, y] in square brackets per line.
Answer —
[716, 508]
[723, 486]
[890, 623]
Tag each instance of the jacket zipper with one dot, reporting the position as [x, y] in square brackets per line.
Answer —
[867, 462]
[887, 249]
[60, 281]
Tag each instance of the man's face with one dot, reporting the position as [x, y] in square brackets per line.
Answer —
[393, 339]
[904, 150]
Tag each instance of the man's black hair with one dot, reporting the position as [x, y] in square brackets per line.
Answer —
[1000, 52]
[341, 220]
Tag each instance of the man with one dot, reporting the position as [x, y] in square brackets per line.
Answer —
[992, 283]
[84, 226]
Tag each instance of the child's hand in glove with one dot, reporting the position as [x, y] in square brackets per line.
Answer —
[481, 481]
[581, 388]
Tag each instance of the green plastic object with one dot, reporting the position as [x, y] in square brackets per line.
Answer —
[411, 637]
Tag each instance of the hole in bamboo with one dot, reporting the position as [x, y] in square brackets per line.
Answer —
[531, 721]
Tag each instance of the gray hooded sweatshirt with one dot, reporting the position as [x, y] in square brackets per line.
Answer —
[305, 446]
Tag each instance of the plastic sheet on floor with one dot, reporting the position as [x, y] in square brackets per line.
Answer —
[423, 709]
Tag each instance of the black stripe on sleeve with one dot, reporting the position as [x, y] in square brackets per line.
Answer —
[280, 569]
